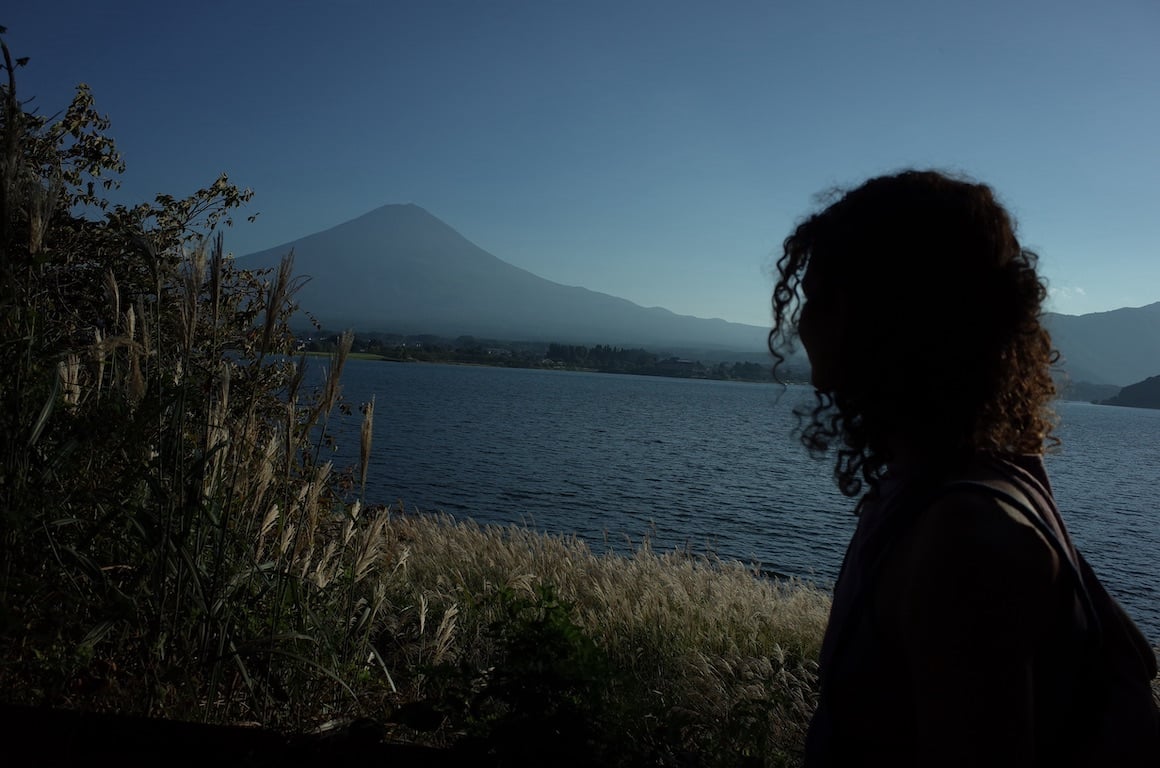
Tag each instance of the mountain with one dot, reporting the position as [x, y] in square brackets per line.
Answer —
[1143, 394]
[1084, 391]
[400, 269]
[1117, 347]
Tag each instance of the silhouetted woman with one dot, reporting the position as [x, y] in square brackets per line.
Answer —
[957, 634]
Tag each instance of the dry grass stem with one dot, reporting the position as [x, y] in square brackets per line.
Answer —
[365, 443]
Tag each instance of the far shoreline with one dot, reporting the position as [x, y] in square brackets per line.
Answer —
[699, 376]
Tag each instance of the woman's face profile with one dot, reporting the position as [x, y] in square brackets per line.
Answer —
[820, 327]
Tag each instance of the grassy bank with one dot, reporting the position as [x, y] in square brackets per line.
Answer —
[653, 659]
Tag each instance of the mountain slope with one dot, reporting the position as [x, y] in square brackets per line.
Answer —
[1143, 394]
[1117, 347]
[400, 269]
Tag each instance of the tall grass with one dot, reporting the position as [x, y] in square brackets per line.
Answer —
[702, 657]
[174, 542]
[199, 553]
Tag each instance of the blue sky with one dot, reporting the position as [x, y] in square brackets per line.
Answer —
[658, 151]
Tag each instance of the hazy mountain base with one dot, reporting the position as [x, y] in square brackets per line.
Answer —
[1084, 391]
[400, 268]
[1117, 347]
[602, 358]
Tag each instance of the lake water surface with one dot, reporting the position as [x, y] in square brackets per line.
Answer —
[703, 465]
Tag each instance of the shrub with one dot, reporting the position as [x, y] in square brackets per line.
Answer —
[173, 542]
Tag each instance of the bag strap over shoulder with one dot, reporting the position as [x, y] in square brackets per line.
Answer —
[1118, 720]
[1027, 509]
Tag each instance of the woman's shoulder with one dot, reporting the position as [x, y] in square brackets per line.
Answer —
[970, 556]
[979, 500]
[965, 525]
[979, 516]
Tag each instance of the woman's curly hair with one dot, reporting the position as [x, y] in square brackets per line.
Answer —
[939, 337]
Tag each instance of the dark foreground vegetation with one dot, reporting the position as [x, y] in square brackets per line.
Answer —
[176, 546]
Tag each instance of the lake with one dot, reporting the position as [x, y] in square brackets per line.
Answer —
[702, 465]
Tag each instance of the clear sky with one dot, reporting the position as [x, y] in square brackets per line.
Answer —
[658, 151]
